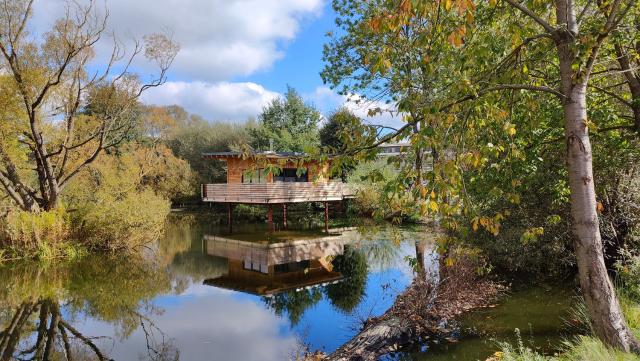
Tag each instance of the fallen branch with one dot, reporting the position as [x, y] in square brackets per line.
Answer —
[422, 312]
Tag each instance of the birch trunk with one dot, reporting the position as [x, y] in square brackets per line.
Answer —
[605, 315]
[602, 303]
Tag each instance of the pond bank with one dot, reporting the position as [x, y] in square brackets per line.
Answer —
[425, 311]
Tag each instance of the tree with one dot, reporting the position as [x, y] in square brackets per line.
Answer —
[190, 135]
[552, 50]
[341, 126]
[289, 125]
[347, 294]
[335, 132]
[63, 113]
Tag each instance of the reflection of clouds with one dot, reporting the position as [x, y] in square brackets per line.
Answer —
[211, 325]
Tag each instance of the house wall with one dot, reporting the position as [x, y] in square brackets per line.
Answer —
[237, 166]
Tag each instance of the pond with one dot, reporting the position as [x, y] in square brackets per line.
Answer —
[202, 293]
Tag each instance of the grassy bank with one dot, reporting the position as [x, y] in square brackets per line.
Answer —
[581, 348]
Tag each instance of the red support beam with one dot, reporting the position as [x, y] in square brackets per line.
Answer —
[326, 217]
[230, 217]
[284, 215]
[270, 218]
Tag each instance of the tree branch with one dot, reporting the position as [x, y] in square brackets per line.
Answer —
[525, 10]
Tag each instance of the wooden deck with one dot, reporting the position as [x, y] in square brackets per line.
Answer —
[278, 192]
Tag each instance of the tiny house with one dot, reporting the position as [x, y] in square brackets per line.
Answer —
[274, 178]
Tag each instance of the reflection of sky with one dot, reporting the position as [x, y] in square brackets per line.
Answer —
[210, 324]
[215, 324]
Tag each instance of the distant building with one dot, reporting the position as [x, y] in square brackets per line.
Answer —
[393, 149]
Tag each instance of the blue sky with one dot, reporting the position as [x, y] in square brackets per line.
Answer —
[302, 62]
[236, 56]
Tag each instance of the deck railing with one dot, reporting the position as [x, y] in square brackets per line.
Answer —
[278, 192]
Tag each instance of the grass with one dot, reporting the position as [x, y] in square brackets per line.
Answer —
[582, 348]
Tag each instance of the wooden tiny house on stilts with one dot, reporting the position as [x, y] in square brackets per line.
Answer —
[270, 178]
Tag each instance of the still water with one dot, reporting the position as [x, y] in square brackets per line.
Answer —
[201, 293]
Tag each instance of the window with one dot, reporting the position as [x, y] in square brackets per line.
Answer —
[291, 175]
[254, 176]
[292, 267]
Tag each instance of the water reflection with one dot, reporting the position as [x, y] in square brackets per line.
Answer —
[201, 294]
[41, 305]
[267, 269]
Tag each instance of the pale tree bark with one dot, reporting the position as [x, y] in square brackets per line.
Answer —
[600, 297]
[599, 294]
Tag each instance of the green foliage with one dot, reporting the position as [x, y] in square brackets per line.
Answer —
[583, 349]
[119, 203]
[33, 228]
[347, 294]
[289, 124]
[42, 235]
[189, 136]
[628, 277]
[337, 130]
[125, 223]
[498, 175]
[371, 180]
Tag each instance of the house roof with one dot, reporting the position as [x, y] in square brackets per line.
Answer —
[267, 154]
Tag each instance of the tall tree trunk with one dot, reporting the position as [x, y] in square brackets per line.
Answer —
[599, 295]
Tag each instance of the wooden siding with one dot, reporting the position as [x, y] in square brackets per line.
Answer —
[278, 192]
[236, 167]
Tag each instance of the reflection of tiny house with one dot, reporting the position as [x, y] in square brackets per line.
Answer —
[267, 269]
[273, 178]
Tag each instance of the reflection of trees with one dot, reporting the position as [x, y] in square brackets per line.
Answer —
[347, 294]
[48, 326]
[194, 266]
[381, 254]
[182, 252]
[293, 302]
[39, 305]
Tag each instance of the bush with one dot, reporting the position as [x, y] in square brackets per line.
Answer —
[44, 234]
[127, 223]
[119, 203]
[369, 180]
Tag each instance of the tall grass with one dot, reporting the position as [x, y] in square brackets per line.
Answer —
[582, 348]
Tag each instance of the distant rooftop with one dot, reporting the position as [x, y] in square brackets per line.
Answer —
[268, 154]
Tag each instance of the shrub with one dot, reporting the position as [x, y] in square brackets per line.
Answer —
[44, 234]
[126, 223]
[118, 202]
[369, 181]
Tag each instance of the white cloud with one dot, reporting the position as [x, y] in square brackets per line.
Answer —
[211, 325]
[219, 39]
[327, 100]
[213, 101]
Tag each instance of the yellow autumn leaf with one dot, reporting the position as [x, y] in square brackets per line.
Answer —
[433, 206]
